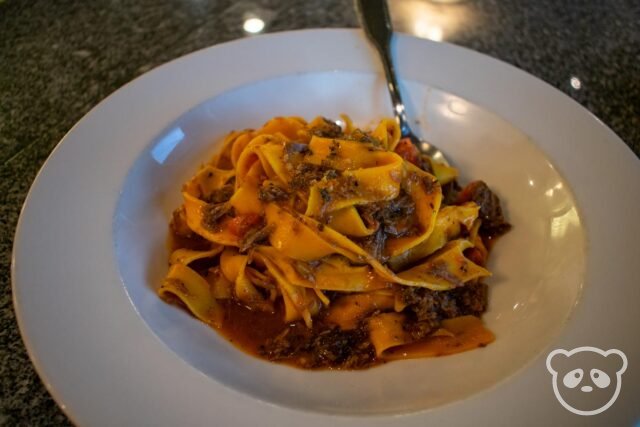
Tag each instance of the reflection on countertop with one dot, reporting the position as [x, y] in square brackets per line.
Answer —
[434, 20]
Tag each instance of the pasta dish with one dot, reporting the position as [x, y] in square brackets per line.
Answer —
[326, 246]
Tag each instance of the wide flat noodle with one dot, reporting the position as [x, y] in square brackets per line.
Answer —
[427, 274]
[221, 287]
[347, 311]
[245, 199]
[195, 211]
[207, 181]
[386, 331]
[233, 266]
[368, 175]
[194, 291]
[427, 195]
[333, 273]
[348, 221]
[187, 256]
[449, 223]
[291, 127]
[295, 239]
[388, 133]
[456, 335]
[445, 174]
[447, 269]
[299, 302]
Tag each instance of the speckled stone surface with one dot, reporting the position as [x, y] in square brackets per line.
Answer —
[58, 61]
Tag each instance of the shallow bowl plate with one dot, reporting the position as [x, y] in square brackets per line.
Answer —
[90, 246]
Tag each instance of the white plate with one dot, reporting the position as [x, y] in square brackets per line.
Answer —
[90, 248]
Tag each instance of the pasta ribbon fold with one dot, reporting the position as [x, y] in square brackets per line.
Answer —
[198, 215]
[233, 266]
[194, 292]
[187, 256]
[450, 222]
[447, 269]
[386, 331]
[349, 310]
[455, 336]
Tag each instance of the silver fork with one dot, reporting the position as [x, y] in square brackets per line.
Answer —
[374, 17]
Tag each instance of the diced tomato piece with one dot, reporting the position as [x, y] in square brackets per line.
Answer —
[408, 151]
[475, 255]
[467, 192]
[239, 225]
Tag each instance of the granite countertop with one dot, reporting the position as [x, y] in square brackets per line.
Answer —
[58, 61]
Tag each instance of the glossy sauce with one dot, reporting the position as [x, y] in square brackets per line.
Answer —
[175, 241]
[249, 329]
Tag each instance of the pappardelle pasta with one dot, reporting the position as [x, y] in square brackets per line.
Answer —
[324, 246]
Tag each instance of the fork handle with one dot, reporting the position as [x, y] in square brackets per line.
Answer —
[374, 17]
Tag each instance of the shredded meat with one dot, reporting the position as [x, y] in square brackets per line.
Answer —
[272, 193]
[493, 222]
[327, 129]
[213, 213]
[306, 174]
[430, 185]
[334, 148]
[334, 186]
[427, 308]
[346, 186]
[323, 346]
[450, 193]
[349, 349]
[294, 154]
[360, 136]
[374, 244]
[255, 236]
[221, 195]
[306, 269]
[327, 346]
[288, 343]
[396, 217]
[294, 147]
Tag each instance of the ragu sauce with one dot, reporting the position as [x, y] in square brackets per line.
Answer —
[346, 324]
[266, 335]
